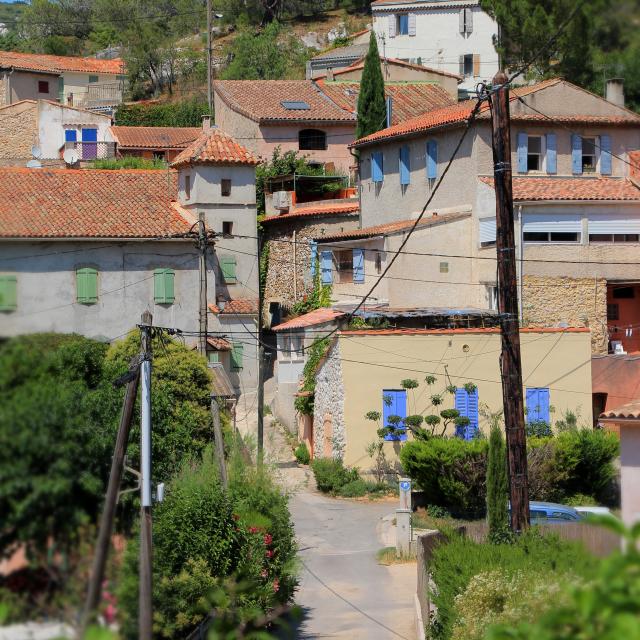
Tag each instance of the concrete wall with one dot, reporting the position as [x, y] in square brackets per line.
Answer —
[438, 41]
[78, 83]
[557, 360]
[630, 472]
[22, 85]
[18, 131]
[618, 377]
[241, 329]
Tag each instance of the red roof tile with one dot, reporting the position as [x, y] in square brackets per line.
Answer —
[89, 203]
[219, 344]
[319, 316]
[261, 100]
[214, 147]
[629, 411]
[155, 137]
[238, 306]
[59, 64]
[329, 209]
[393, 227]
[417, 331]
[629, 119]
[634, 160]
[571, 188]
[395, 61]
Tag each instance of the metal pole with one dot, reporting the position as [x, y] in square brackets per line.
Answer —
[209, 57]
[203, 319]
[145, 615]
[261, 361]
[511, 364]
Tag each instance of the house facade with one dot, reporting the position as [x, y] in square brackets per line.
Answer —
[339, 57]
[455, 36]
[153, 143]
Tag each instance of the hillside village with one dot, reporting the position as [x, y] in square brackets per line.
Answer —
[260, 264]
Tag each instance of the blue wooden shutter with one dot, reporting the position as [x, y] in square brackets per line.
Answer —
[576, 154]
[358, 265]
[70, 135]
[377, 170]
[326, 266]
[523, 148]
[432, 159]
[605, 155]
[397, 407]
[314, 257]
[405, 173]
[552, 153]
[538, 404]
[467, 405]
[404, 24]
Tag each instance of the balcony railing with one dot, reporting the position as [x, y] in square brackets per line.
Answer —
[87, 151]
[97, 95]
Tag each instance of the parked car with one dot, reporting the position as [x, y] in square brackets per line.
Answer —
[551, 513]
[592, 509]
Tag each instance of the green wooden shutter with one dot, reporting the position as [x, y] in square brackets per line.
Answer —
[8, 293]
[228, 268]
[87, 285]
[213, 356]
[236, 356]
[163, 286]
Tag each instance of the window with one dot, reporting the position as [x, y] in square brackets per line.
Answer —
[402, 28]
[466, 21]
[159, 156]
[589, 157]
[537, 401]
[534, 153]
[237, 350]
[326, 267]
[444, 267]
[624, 293]
[432, 159]
[292, 347]
[488, 232]
[394, 411]
[163, 286]
[614, 237]
[613, 312]
[344, 265]
[546, 236]
[312, 140]
[187, 187]
[378, 262]
[377, 169]
[87, 285]
[466, 402]
[70, 138]
[492, 297]
[466, 66]
[228, 269]
[225, 187]
[8, 293]
[404, 165]
[60, 89]
[295, 105]
[43, 86]
[93, 79]
[227, 227]
[213, 357]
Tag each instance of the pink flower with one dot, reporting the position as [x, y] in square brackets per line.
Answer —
[276, 584]
[268, 553]
[264, 573]
[110, 614]
[268, 538]
[253, 529]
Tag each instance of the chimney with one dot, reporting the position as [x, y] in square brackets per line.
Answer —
[615, 91]
[206, 122]
[329, 74]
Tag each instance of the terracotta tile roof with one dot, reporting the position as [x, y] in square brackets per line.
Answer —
[395, 61]
[634, 160]
[393, 227]
[155, 137]
[416, 331]
[571, 188]
[59, 64]
[261, 100]
[219, 344]
[238, 306]
[214, 147]
[319, 316]
[89, 203]
[629, 411]
[409, 99]
[629, 119]
[329, 209]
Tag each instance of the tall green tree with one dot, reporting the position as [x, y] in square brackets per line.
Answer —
[372, 109]
[497, 510]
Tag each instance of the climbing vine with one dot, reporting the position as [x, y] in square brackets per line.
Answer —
[318, 298]
[264, 266]
[317, 351]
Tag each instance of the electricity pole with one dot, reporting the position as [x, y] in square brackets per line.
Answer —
[260, 357]
[510, 360]
[209, 56]
[145, 605]
[203, 320]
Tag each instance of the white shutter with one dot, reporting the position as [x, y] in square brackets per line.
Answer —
[614, 223]
[552, 223]
[392, 25]
[487, 230]
[412, 24]
[468, 15]
[461, 21]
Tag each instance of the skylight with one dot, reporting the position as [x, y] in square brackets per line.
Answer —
[295, 105]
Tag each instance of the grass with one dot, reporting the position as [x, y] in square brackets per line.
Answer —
[388, 556]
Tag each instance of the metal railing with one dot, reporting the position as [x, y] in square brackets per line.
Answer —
[97, 95]
[92, 150]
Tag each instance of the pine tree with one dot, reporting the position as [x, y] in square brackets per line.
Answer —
[372, 109]
[497, 506]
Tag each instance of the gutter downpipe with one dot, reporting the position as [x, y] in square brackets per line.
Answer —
[520, 261]
[295, 267]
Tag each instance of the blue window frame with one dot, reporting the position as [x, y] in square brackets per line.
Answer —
[403, 24]
[377, 169]
[405, 168]
[467, 404]
[538, 404]
[552, 153]
[605, 155]
[394, 403]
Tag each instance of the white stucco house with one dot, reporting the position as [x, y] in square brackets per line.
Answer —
[454, 35]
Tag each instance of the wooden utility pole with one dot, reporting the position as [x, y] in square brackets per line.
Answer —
[203, 318]
[511, 364]
[110, 501]
[260, 357]
[219, 441]
[145, 572]
[209, 57]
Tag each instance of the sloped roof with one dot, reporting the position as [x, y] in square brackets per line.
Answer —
[534, 188]
[318, 316]
[629, 411]
[634, 159]
[328, 209]
[219, 344]
[215, 147]
[359, 64]
[155, 137]
[221, 386]
[237, 306]
[89, 203]
[261, 100]
[349, 51]
[59, 64]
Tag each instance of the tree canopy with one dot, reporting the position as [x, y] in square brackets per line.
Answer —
[371, 103]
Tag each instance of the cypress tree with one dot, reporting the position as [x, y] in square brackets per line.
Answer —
[497, 504]
[372, 109]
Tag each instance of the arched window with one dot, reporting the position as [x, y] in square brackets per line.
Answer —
[312, 140]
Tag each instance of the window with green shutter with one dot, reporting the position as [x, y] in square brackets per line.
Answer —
[236, 356]
[163, 290]
[8, 293]
[213, 356]
[228, 268]
[87, 285]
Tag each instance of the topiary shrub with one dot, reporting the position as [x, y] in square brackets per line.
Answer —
[331, 474]
[302, 454]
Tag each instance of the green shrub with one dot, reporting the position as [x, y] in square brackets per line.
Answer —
[497, 485]
[580, 500]
[355, 489]
[538, 429]
[331, 474]
[128, 162]
[302, 454]
[185, 113]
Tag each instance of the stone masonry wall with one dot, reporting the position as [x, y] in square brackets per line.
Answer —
[329, 405]
[578, 302]
[3, 90]
[18, 131]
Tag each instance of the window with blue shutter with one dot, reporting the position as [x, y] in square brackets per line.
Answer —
[163, 286]
[432, 159]
[326, 266]
[237, 350]
[8, 293]
[538, 404]
[87, 285]
[394, 403]
[358, 265]
[405, 169]
[314, 257]
[576, 154]
[523, 148]
[70, 135]
[605, 155]
[403, 24]
[467, 404]
[552, 153]
[377, 169]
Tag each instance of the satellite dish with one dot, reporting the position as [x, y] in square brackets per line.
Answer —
[70, 156]
[34, 164]
[36, 152]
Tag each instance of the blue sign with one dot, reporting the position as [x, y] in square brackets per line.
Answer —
[405, 486]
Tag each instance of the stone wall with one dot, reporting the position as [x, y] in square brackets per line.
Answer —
[329, 434]
[579, 302]
[3, 90]
[18, 131]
